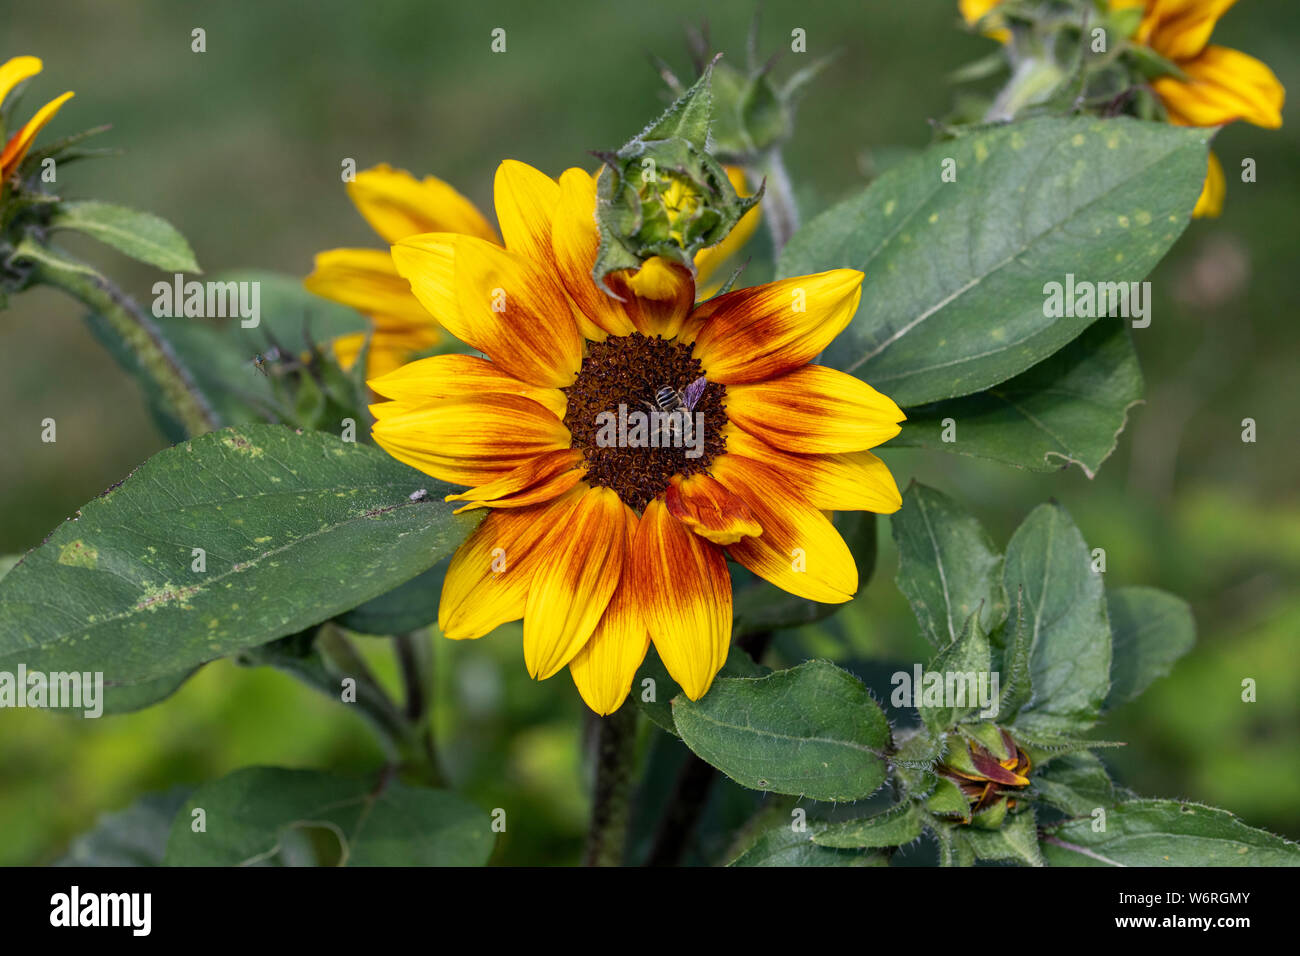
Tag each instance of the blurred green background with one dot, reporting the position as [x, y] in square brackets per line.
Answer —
[241, 147]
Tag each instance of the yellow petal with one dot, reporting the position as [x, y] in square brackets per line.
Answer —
[710, 510]
[397, 205]
[468, 440]
[574, 240]
[972, 11]
[442, 376]
[366, 280]
[1179, 29]
[683, 591]
[526, 200]
[507, 307]
[799, 550]
[21, 141]
[851, 481]
[657, 297]
[14, 71]
[1210, 203]
[391, 346]
[541, 479]
[814, 410]
[487, 581]
[1222, 85]
[577, 577]
[605, 667]
[768, 330]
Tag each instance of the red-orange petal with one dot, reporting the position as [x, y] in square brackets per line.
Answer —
[710, 510]
[487, 581]
[799, 550]
[768, 330]
[577, 577]
[814, 410]
[684, 592]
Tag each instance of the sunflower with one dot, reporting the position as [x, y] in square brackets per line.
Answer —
[12, 73]
[604, 546]
[398, 206]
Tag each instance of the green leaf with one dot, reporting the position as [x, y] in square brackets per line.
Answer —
[810, 731]
[1150, 630]
[296, 529]
[901, 823]
[948, 800]
[407, 607]
[1166, 833]
[1015, 840]
[688, 117]
[665, 689]
[954, 849]
[1048, 564]
[1016, 674]
[128, 698]
[968, 655]
[953, 299]
[140, 235]
[1076, 784]
[947, 566]
[781, 846]
[1067, 410]
[252, 816]
[136, 836]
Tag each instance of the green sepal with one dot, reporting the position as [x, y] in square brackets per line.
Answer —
[948, 800]
[670, 156]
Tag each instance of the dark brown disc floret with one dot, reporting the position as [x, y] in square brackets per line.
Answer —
[641, 374]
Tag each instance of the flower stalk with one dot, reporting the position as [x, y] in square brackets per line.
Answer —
[135, 331]
[611, 797]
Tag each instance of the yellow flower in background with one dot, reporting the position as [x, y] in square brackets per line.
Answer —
[398, 206]
[1222, 85]
[973, 11]
[600, 545]
[12, 73]
[1210, 203]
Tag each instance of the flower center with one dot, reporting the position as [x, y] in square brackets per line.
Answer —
[640, 413]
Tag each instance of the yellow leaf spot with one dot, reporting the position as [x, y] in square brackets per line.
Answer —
[78, 554]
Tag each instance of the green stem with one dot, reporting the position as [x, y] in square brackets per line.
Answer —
[415, 658]
[138, 334]
[611, 799]
[323, 665]
[1032, 82]
[779, 208]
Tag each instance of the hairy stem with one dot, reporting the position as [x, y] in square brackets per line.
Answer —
[136, 331]
[685, 804]
[615, 760]
[779, 208]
